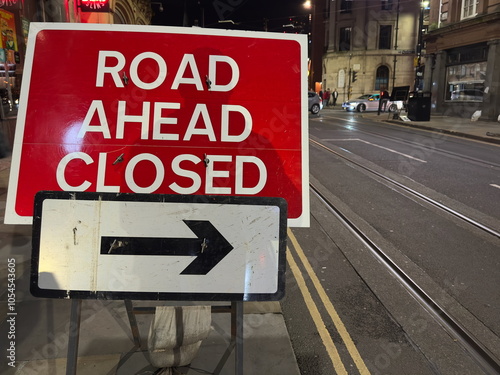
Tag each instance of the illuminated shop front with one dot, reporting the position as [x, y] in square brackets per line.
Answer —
[466, 74]
[463, 51]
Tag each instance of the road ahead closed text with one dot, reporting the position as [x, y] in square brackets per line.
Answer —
[130, 109]
[157, 124]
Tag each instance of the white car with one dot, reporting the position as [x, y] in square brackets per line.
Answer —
[367, 102]
[315, 102]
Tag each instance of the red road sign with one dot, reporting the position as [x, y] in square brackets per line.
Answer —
[135, 109]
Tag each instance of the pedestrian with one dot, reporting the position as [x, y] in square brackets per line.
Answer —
[334, 97]
[384, 98]
[326, 97]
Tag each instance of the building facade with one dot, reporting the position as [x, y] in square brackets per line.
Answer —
[16, 16]
[463, 57]
[370, 46]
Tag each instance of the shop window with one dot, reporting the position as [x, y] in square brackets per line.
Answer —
[382, 78]
[385, 37]
[345, 39]
[465, 82]
[469, 54]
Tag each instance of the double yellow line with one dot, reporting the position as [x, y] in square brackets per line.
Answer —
[316, 316]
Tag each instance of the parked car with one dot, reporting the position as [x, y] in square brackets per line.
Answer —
[315, 102]
[367, 102]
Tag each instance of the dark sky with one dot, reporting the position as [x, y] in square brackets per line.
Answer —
[246, 14]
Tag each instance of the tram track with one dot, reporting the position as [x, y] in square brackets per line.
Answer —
[479, 352]
[473, 346]
[414, 193]
[422, 145]
[434, 150]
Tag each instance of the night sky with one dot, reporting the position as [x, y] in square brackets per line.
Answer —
[277, 15]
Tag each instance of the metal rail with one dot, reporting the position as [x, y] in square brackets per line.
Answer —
[478, 352]
[426, 147]
[423, 197]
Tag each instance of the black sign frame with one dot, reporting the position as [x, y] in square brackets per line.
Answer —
[400, 93]
[157, 296]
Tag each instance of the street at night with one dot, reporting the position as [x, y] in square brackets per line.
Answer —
[229, 187]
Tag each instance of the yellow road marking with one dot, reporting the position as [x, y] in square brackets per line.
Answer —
[316, 316]
[339, 325]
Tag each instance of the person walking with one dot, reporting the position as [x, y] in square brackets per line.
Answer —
[326, 97]
[384, 98]
[334, 97]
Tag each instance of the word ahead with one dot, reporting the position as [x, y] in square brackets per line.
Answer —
[210, 247]
[158, 247]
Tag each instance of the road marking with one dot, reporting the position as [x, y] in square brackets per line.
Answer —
[316, 316]
[495, 185]
[375, 145]
[337, 321]
[351, 119]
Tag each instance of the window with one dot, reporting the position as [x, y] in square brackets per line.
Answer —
[469, 8]
[387, 4]
[345, 39]
[382, 78]
[466, 82]
[385, 36]
[345, 6]
[469, 54]
[50, 11]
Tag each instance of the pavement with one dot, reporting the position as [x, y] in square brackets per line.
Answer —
[41, 330]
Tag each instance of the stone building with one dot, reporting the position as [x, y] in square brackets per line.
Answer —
[370, 45]
[16, 15]
[463, 57]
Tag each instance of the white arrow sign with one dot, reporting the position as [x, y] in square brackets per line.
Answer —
[95, 245]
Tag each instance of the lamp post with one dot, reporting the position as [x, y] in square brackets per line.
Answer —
[309, 7]
[395, 47]
[418, 63]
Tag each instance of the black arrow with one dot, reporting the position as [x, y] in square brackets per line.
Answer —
[210, 247]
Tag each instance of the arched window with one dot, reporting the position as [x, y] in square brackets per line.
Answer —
[382, 78]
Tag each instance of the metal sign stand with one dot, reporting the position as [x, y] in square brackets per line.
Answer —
[74, 335]
[235, 344]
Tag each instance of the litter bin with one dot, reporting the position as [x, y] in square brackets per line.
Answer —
[419, 106]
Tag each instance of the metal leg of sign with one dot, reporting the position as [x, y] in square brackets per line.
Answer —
[236, 340]
[238, 328]
[74, 335]
[133, 323]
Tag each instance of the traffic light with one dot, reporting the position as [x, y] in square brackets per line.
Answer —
[354, 76]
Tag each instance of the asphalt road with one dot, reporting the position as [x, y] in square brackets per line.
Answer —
[455, 263]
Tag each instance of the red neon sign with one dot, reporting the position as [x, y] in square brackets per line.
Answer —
[94, 5]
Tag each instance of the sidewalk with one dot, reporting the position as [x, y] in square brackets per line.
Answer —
[488, 131]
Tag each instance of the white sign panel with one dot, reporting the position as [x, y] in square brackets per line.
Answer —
[88, 245]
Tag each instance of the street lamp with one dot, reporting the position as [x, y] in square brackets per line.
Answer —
[418, 65]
